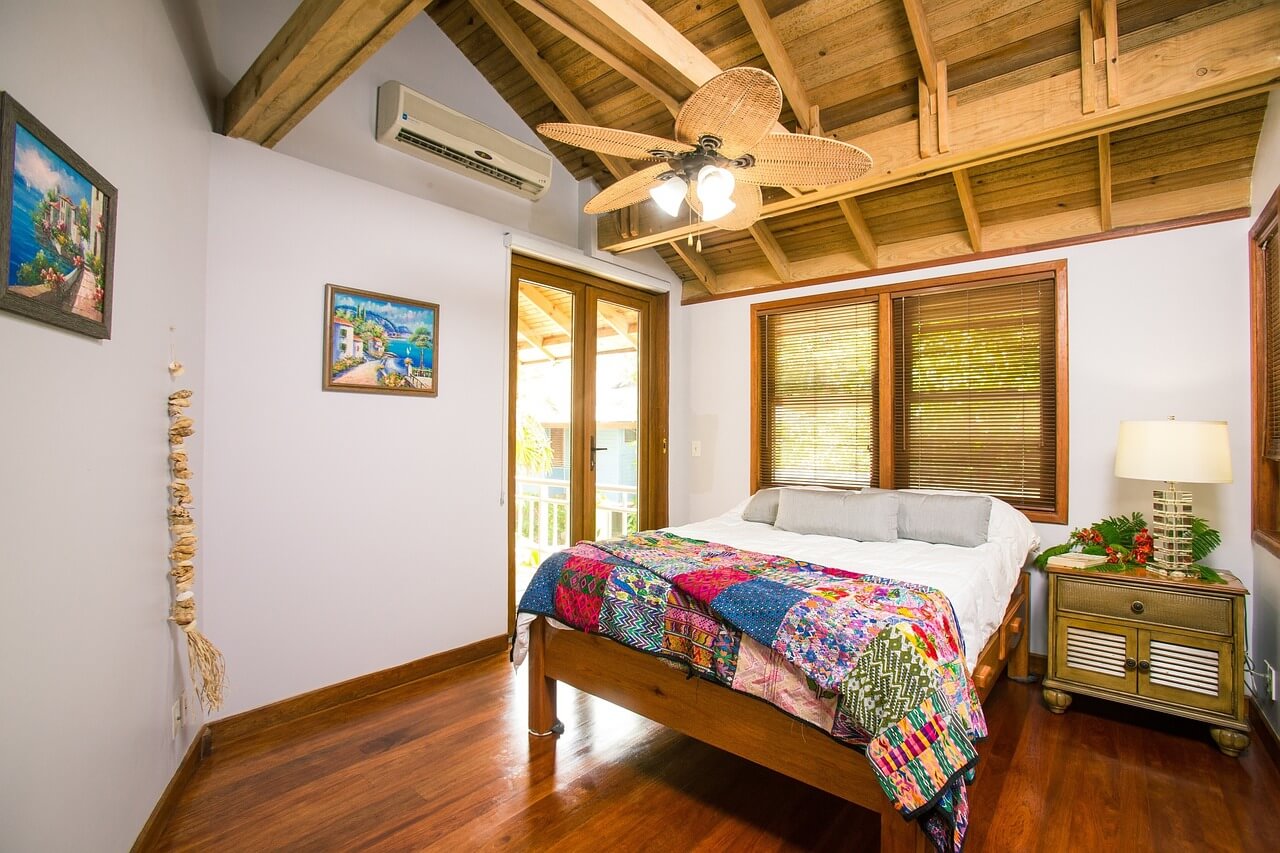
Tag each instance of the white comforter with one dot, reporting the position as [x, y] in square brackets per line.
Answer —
[979, 581]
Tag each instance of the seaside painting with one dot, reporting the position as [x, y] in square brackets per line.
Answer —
[379, 343]
[57, 228]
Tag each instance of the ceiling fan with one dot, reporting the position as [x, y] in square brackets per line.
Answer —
[723, 153]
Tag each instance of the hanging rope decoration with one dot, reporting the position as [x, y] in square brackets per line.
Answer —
[207, 666]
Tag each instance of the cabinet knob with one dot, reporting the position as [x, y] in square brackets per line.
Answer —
[1137, 607]
[1130, 664]
[1144, 666]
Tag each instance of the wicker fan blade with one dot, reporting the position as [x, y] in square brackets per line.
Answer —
[737, 107]
[796, 160]
[606, 140]
[747, 202]
[631, 189]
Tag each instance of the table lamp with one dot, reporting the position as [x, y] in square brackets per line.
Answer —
[1176, 452]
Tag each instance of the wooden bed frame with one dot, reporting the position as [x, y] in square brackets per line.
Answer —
[736, 722]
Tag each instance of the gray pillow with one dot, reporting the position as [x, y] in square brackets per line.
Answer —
[850, 515]
[943, 519]
[762, 507]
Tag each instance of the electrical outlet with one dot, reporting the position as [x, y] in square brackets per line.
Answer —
[697, 448]
[1271, 679]
[177, 717]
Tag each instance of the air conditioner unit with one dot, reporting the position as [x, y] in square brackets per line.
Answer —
[413, 123]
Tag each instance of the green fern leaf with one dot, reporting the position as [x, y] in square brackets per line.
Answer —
[1204, 539]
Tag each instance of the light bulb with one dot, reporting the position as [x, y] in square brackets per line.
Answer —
[669, 194]
[715, 186]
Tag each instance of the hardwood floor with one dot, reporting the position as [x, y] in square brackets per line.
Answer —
[446, 763]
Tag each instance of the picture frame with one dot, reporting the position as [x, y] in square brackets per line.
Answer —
[57, 228]
[376, 343]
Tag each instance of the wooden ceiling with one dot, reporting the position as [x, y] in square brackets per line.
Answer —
[544, 325]
[1045, 121]
[994, 125]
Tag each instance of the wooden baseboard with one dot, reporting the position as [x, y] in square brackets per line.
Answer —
[287, 710]
[1037, 665]
[149, 837]
[1264, 732]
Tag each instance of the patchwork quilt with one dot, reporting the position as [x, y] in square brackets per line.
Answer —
[881, 663]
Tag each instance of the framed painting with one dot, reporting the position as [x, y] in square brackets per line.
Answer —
[57, 228]
[380, 344]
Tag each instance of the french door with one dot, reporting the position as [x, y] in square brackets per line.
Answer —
[588, 413]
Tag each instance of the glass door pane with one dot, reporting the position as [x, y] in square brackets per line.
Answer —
[544, 426]
[615, 448]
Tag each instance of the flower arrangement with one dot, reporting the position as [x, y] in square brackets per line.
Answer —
[1126, 543]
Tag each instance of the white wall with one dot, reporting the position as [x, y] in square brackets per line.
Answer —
[1158, 326]
[90, 666]
[1266, 568]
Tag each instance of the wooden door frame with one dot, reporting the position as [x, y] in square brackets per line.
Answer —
[654, 413]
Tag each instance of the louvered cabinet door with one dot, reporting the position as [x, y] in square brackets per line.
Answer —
[1186, 670]
[1100, 654]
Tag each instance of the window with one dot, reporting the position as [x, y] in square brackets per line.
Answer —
[819, 386]
[955, 383]
[1264, 274]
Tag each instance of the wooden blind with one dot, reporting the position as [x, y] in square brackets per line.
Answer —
[1271, 289]
[975, 397]
[818, 396]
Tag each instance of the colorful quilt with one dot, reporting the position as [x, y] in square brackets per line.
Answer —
[882, 662]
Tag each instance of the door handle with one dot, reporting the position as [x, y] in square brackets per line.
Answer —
[593, 452]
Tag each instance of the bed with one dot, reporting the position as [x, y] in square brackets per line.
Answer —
[984, 585]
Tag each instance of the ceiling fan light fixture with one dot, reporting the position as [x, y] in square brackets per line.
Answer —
[715, 191]
[669, 194]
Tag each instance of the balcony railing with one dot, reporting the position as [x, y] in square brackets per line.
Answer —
[542, 515]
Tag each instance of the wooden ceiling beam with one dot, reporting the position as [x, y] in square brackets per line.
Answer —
[775, 52]
[923, 40]
[548, 309]
[600, 52]
[858, 225]
[972, 223]
[515, 40]
[698, 264]
[531, 338]
[1111, 35]
[616, 319]
[1104, 180]
[320, 46]
[772, 251]
[1088, 79]
[1164, 78]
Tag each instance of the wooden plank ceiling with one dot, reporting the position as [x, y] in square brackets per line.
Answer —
[994, 124]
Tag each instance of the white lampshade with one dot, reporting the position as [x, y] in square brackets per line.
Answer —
[715, 186]
[1174, 451]
[670, 194]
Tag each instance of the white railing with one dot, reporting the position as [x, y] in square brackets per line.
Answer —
[542, 515]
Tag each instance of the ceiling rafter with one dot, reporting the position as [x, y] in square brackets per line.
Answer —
[861, 233]
[1165, 77]
[548, 309]
[320, 46]
[972, 222]
[515, 40]
[1104, 180]
[775, 52]
[600, 52]
[923, 40]
[530, 337]
[616, 318]
[696, 262]
[772, 251]
[1088, 77]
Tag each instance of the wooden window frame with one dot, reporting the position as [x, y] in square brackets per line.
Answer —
[1057, 270]
[1265, 472]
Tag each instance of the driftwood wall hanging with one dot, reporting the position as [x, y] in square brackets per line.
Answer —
[207, 666]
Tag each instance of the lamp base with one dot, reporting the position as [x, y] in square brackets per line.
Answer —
[1171, 534]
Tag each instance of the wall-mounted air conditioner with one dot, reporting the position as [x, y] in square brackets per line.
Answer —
[413, 123]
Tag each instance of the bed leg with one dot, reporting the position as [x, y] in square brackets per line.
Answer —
[542, 690]
[1020, 661]
[898, 835]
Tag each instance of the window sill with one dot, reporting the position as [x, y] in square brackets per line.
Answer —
[1043, 516]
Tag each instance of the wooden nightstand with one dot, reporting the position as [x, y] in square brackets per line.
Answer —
[1169, 645]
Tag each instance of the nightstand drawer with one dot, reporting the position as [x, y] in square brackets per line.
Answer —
[1194, 611]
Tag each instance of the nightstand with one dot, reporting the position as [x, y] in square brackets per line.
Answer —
[1175, 646]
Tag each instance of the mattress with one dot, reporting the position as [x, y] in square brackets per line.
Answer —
[978, 581]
